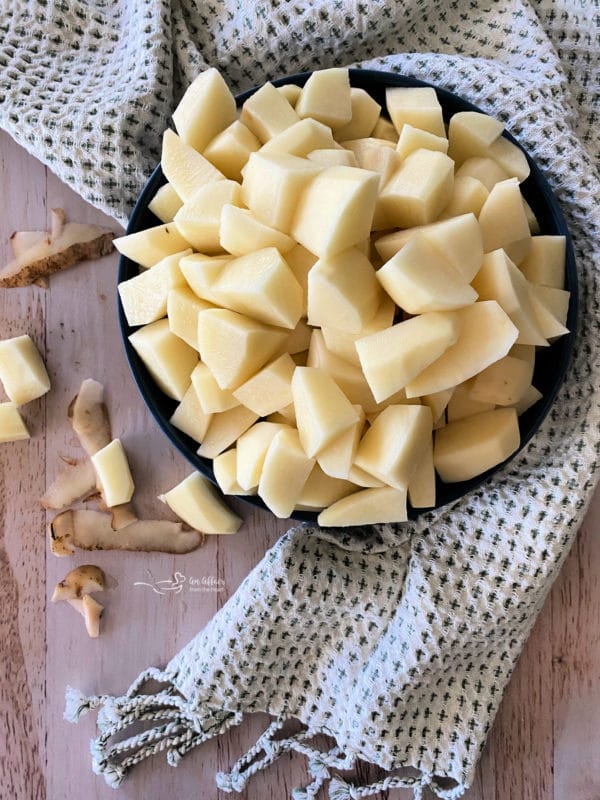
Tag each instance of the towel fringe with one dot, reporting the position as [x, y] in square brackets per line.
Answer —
[181, 726]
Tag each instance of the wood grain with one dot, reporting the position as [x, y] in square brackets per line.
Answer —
[543, 745]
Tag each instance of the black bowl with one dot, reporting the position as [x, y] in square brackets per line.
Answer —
[551, 363]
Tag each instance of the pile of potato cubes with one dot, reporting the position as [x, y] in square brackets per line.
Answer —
[342, 303]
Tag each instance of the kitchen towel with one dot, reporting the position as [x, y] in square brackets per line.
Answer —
[395, 641]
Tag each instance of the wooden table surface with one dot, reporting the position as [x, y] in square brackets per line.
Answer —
[544, 744]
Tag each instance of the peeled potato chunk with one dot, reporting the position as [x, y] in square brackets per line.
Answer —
[473, 445]
[230, 150]
[321, 490]
[417, 193]
[242, 233]
[189, 416]
[285, 471]
[421, 487]
[273, 184]
[12, 426]
[165, 203]
[391, 448]
[235, 347]
[502, 218]
[510, 157]
[472, 352]
[366, 507]
[22, 370]
[144, 297]
[150, 246]
[420, 278]
[199, 218]
[167, 358]
[468, 196]
[416, 106]
[184, 167]
[343, 344]
[114, 475]
[470, 133]
[343, 291]
[462, 404]
[393, 357]
[337, 458]
[252, 449]
[211, 397]
[183, 307]
[301, 138]
[365, 113]
[503, 383]
[326, 97]
[196, 502]
[224, 429]
[201, 272]
[225, 469]
[267, 112]
[270, 389]
[545, 262]
[323, 412]
[412, 139]
[206, 108]
[335, 211]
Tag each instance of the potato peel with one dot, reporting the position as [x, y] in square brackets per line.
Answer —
[77, 482]
[92, 530]
[67, 244]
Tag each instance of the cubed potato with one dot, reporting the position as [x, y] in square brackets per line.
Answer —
[144, 297]
[189, 416]
[301, 138]
[242, 233]
[285, 471]
[338, 457]
[412, 139]
[185, 168]
[323, 412]
[113, 473]
[335, 211]
[167, 358]
[321, 490]
[366, 507]
[544, 264]
[343, 344]
[470, 133]
[503, 383]
[376, 155]
[473, 445]
[365, 113]
[462, 404]
[230, 150]
[499, 279]
[385, 130]
[326, 97]
[437, 402]
[393, 445]
[252, 449]
[291, 92]
[211, 397]
[300, 261]
[199, 218]
[534, 225]
[261, 285]
[526, 352]
[150, 246]
[22, 370]
[349, 378]
[206, 108]
[393, 357]
[556, 300]
[273, 184]
[421, 488]
[225, 469]
[415, 106]
[472, 352]
[196, 501]
[484, 169]
[297, 341]
[502, 218]
[165, 203]
[343, 291]
[361, 478]
[285, 416]
[183, 307]
[420, 278]
[550, 327]
[510, 157]
[270, 389]
[468, 196]
[530, 397]
[330, 157]
[419, 190]
[12, 425]
[233, 346]
[224, 429]
[201, 272]
[267, 112]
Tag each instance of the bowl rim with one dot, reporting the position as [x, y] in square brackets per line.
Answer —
[536, 185]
